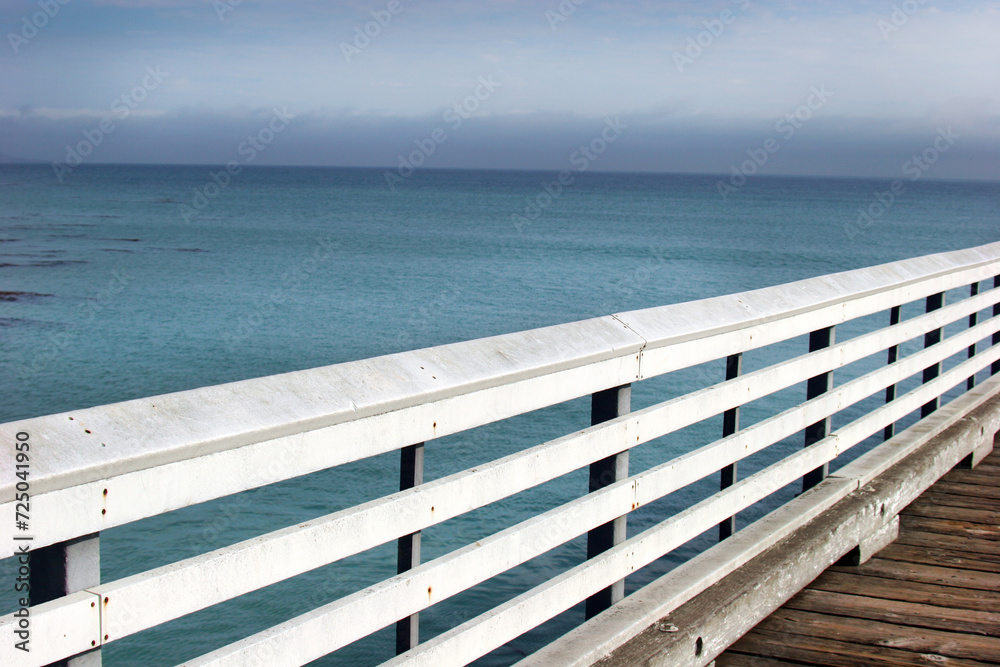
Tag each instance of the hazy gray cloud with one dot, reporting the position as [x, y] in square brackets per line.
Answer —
[820, 145]
[702, 81]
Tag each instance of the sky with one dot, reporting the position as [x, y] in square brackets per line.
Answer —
[835, 88]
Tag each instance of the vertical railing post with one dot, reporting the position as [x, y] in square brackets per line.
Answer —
[411, 473]
[606, 405]
[730, 425]
[815, 386]
[973, 320]
[934, 302]
[995, 366]
[890, 391]
[62, 569]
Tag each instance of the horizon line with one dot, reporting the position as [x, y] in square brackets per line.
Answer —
[13, 162]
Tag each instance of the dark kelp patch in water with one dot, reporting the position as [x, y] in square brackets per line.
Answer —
[21, 296]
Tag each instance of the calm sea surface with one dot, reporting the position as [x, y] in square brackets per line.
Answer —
[123, 283]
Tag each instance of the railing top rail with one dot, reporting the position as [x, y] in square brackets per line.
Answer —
[670, 325]
[103, 441]
[97, 443]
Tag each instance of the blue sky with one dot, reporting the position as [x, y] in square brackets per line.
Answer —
[699, 86]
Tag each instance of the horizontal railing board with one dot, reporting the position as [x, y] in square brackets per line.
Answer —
[58, 629]
[153, 491]
[878, 340]
[264, 560]
[874, 463]
[777, 427]
[674, 339]
[323, 630]
[673, 342]
[148, 432]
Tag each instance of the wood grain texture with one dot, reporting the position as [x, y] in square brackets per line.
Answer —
[971, 513]
[930, 598]
[894, 611]
[831, 653]
[942, 557]
[951, 644]
[907, 591]
[964, 529]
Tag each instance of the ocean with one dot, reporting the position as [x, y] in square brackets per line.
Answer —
[128, 281]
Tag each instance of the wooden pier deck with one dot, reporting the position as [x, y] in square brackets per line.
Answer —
[932, 597]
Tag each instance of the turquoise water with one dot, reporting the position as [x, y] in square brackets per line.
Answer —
[112, 290]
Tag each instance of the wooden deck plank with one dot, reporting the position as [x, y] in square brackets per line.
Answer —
[973, 490]
[907, 591]
[743, 660]
[970, 476]
[935, 509]
[931, 540]
[895, 611]
[832, 653]
[942, 557]
[928, 574]
[874, 633]
[960, 502]
[936, 496]
[950, 527]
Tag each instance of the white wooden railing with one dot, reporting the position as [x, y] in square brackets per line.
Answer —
[101, 467]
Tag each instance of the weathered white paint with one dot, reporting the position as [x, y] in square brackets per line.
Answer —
[59, 629]
[161, 488]
[677, 337]
[197, 422]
